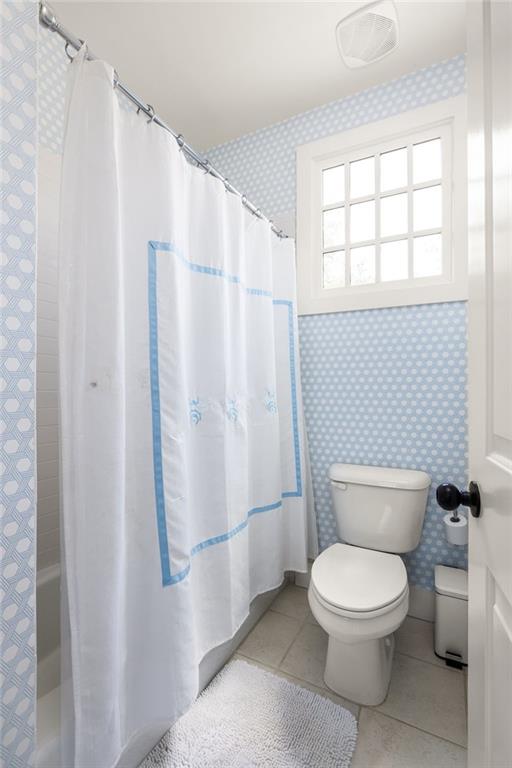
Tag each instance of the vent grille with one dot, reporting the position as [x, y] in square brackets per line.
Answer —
[368, 35]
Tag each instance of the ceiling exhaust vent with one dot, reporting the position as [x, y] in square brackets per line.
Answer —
[369, 34]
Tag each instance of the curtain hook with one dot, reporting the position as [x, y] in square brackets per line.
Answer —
[180, 140]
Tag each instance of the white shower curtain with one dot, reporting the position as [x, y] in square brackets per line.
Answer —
[182, 443]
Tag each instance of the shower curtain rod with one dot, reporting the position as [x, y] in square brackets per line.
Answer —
[48, 17]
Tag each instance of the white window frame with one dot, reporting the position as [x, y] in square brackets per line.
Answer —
[448, 120]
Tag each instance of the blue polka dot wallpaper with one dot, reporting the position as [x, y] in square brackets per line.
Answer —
[262, 164]
[387, 387]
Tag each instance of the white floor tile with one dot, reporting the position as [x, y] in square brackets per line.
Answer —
[386, 743]
[292, 601]
[270, 638]
[427, 696]
[306, 657]
[350, 705]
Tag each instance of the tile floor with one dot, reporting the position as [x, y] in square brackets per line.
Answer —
[422, 722]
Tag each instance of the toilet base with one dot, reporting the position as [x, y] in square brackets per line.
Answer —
[360, 671]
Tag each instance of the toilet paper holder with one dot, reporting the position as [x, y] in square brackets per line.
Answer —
[449, 497]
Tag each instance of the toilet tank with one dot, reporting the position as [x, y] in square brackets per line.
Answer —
[379, 507]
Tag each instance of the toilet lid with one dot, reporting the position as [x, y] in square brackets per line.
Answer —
[356, 579]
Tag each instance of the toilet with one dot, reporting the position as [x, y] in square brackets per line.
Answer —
[358, 590]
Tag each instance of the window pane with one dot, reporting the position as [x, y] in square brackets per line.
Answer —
[362, 221]
[426, 161]
[362, 265]
[393, 215]
[334, 269]
[394, 258]
[428, 256]
[393, 170]
[333, 185]
[427, 208]
[362, 177]
[334, 227]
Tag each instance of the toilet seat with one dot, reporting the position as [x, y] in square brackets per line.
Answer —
[356, 582]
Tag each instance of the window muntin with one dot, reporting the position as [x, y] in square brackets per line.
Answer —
[382, 215]
[411, 168]
[334, 269]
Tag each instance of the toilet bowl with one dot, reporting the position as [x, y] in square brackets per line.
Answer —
[358, 593]
[359, 597]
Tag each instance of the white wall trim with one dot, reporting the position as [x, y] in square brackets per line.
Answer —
[421, 603]
[303, 579]
[450, 114]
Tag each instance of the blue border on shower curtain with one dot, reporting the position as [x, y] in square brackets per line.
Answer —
[153, 247]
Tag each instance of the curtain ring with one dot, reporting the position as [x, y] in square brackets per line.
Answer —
[115, 79]
[206, 166]
[82, 42]
[152, 113]
[244, 200]
[180, 140]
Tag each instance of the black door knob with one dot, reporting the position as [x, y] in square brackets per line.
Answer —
[449, 497]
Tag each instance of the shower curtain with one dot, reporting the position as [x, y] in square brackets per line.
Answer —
[182, 441]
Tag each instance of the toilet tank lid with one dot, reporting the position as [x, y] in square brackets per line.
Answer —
[381, 477]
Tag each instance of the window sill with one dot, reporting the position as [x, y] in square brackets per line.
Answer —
[366, 298]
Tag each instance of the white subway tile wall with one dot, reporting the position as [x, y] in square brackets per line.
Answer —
[53, 64]
[47, 361]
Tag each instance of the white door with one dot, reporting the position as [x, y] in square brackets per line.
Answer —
[490, 381]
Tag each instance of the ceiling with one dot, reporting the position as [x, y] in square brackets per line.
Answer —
[215, 71]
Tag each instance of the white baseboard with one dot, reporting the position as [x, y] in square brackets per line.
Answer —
[302, 579]
[421, 601]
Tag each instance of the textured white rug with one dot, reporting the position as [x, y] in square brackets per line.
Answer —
[248, 718]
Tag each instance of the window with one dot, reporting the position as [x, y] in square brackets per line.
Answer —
[381, 213]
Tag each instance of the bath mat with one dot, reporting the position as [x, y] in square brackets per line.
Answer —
[250, 718]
